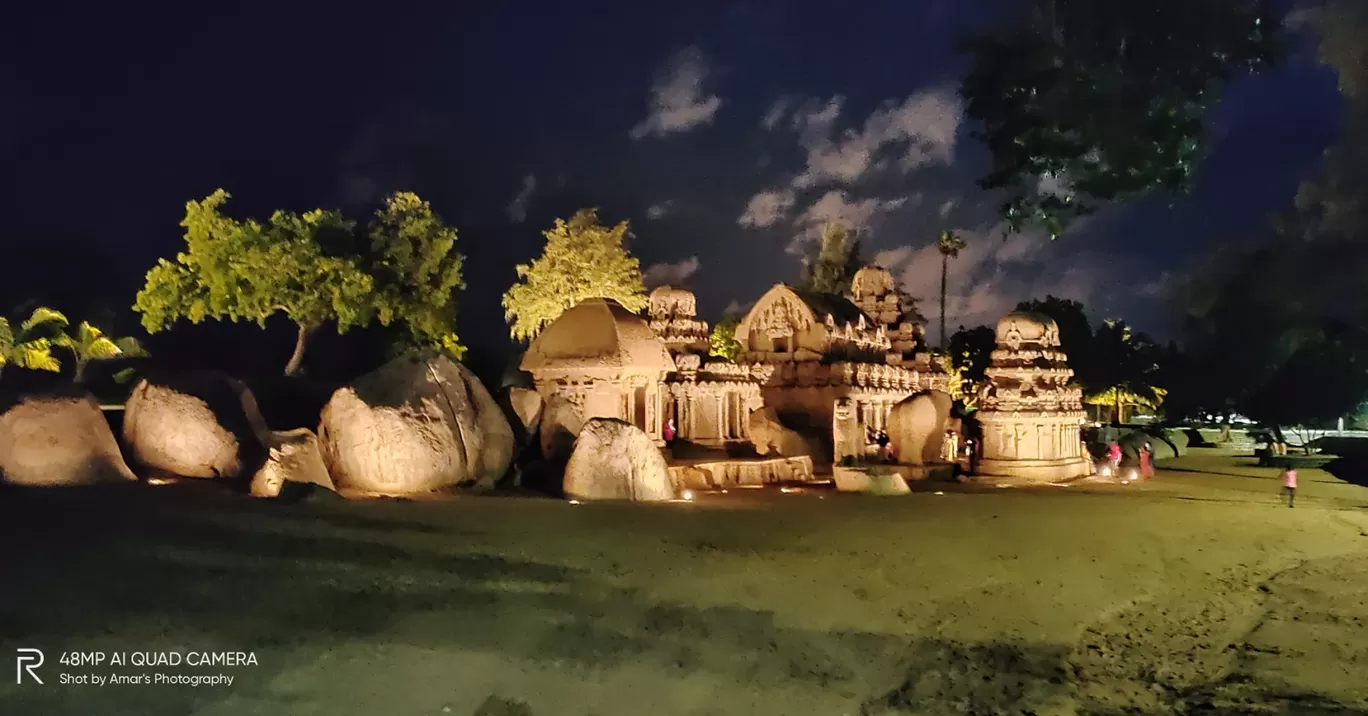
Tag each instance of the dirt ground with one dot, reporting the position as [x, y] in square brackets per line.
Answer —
[1196, 592]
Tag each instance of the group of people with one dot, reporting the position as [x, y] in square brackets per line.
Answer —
[1145, 455]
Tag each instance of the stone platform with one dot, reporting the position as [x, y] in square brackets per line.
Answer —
[709, 474]
[1035, 470]
[881, 479]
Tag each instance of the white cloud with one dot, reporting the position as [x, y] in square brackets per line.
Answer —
[517, 209]
[660, 210]
[767, 208]
[670, 274]
[737, 308]
[925, 126]
[836, 207]
[991, 275]
[678, 102]
[776, 113]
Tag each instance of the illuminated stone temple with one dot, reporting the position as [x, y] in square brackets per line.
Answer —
[710, 400]
[1029, 413]
[835, 371]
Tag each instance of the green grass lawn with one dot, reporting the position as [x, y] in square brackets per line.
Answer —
[1196, 589]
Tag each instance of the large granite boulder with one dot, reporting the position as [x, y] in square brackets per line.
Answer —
[615, 460]
[1178, 439]
[561, 422]
[293, 457]
[770, 436]
[527, 404]
[1132, 442]
[415, 425]
[194, 425]
[59, 439]
[917, 425]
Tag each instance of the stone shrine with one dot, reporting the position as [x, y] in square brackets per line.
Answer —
[604, 362]
[709, 400]
[1030, 414]
[834, 371]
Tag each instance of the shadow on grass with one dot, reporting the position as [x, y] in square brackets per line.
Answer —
[1353, 470]
[175, 570]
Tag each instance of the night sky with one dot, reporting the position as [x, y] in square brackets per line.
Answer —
[726, 132]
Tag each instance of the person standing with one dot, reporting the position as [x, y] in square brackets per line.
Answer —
[669, 431]
[1289, 489]
[1114, 455]
[1146, 462]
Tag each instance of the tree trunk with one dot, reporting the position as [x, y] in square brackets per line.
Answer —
[945, 267]
[80, 371]
[1118, 414]
[296, 364]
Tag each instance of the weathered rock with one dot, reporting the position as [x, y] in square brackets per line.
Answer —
[294, 456]
[1178, 439]
[615, 460]
[1132, 442]
[916, 427]
[194, 425]
[770, 436]
[527, 404]
[413, 426]
[59, 439]
[561, 421]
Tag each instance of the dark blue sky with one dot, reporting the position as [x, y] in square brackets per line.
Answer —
[724, 131]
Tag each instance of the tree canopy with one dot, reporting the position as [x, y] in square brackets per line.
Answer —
[582, 259]
[837, 260]
[311, 268]
[970, 353]
[722, 341]
[31, 346]
[1082, 102]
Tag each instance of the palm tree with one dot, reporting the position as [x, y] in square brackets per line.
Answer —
[89, 343]
[949, 244]
[31, 346]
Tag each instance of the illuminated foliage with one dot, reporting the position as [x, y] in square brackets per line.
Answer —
[582, 259]
[1082, 102]
[248, 271]
[1127, 370]
[838, 258]
[310, 268]
[722, 341]
[89, 344]
[32, 345]
[417, 272]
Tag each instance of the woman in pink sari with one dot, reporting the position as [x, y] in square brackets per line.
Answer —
[1146, 462]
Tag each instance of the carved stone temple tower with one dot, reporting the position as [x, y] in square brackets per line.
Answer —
[1030, 414]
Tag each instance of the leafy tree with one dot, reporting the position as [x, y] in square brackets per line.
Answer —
[248, 271]
[416, 272]
[88, 344]
[583, 259]
[722, 341]
[32, 345]
[970, 353]
[837, 260]
[949, 244]
[1127, 370]
[1082, 102]
[1323, 381]
[1075, 335]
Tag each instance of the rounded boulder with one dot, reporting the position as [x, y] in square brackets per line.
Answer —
[59, 439]
[415, 425]
[615, 460]
[194, 425]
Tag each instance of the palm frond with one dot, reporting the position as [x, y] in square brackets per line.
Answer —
[35, 355]
[101, 349]
[6, 336]
[45, 317]
[130, 347]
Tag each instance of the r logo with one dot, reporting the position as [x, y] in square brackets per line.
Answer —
[26, 660]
